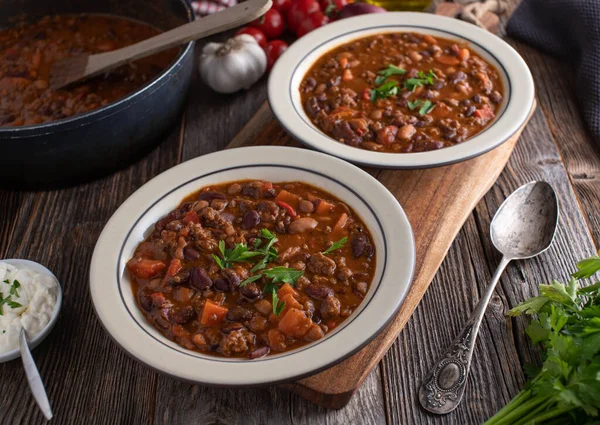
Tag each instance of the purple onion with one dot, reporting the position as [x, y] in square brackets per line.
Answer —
[355, 9]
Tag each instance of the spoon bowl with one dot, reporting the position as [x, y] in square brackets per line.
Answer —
[525, 223]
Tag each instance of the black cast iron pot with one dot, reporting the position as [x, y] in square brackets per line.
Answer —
[89, 145]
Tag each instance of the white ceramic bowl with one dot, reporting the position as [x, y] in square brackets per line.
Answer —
[13, 354]
[116, 307]
[284, 95]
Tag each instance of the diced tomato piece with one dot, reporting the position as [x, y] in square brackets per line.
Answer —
[287, 197]
[212, 314]
[323, 207]
[191, 217]
[289, 209]
[285, 290]
[144, 268]
[290, 303]
[366, 94]
[485, 112]
[174, 267]
[295, 323]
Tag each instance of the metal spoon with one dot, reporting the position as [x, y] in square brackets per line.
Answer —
[33, 377]
[523, 227]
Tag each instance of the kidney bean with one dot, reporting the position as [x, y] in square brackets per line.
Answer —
[259, 352]
[232, 277]
[306, 206]
[209, 196]
[145, 301]
[221, 284]
[359, 241]
[318, 292]
[302, 225]
[200, 279]
[251, 291]
[190, 253]
[251, 219]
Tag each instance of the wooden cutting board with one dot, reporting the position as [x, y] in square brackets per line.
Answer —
[437, 202]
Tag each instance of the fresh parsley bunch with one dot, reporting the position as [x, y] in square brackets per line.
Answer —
[566, 322]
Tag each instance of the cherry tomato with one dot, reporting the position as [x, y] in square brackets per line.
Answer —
[271, 24]
[282, 6]
[313, 21]
[273, 50]
[332, 8]
[300, 11]
[258, 35]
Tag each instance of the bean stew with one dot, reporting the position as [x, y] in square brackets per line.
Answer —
[28, 50]
[401, 92]
[249, 268]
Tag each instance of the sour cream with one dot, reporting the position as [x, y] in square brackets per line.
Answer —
[29, 301]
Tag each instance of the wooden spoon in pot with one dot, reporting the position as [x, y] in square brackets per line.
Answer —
[70, 70]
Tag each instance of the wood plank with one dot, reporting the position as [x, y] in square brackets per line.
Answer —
[86, 374]
[502, 348]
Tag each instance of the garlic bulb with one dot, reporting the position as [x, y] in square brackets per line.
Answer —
[234, 65]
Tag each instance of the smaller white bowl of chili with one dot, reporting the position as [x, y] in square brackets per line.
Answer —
[176, 300]
[401, 90]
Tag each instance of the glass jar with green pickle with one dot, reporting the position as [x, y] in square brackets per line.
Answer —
[401, 4]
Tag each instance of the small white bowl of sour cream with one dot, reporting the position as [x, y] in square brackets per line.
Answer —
[33, 302]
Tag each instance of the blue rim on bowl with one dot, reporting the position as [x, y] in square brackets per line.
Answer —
[118, 312]
[284, 95]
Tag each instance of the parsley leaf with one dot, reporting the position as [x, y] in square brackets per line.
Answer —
[388, 72]
[336, 245]
[426, 106]
[239, 254]
[278, 306]
[270, 253]
[250, 279]
[385, 90]
[421, 80]
[13, 289]
[283, 274]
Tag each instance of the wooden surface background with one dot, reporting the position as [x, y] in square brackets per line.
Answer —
[90, 380]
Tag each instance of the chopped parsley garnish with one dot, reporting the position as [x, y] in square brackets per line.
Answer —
[426, 106]
[336, 245]
[421, 80]
[270, 253]
[277, 275]
[387, 89]
[278, 306]
[13, 292]
[239, 254]
[13, 289]
[388, 72]
[283, 274]
[3, 331]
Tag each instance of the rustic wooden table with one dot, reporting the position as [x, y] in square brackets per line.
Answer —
[90, 380]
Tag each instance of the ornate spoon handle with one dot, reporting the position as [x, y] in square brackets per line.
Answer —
[444, 386]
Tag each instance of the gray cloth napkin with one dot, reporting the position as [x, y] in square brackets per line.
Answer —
[570, 30]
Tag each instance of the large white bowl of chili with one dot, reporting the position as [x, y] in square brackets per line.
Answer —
[401, 90]
[119, 312]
